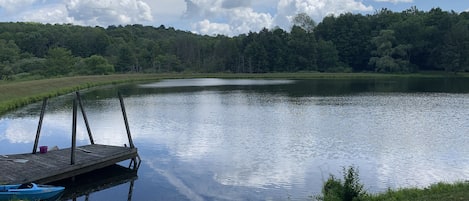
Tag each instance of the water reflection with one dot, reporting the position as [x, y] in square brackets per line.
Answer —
[210, 82]
[86, 186]
[386, 136]
[274, 141]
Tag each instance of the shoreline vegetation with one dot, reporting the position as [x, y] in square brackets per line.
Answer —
[18, 93]
[350, 189]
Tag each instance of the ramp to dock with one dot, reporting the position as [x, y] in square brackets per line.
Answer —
[56, 165]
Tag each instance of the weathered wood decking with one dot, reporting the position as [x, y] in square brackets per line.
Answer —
[55, 165]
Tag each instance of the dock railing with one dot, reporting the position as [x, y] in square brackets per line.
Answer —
[77, 102]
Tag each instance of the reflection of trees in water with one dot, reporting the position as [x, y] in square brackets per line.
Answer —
[97, 98]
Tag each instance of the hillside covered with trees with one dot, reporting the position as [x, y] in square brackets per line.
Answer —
[407, 41]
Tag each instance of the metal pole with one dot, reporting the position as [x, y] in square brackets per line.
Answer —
[85, 118]
[39, 126]
[131, 143]
[74, 132]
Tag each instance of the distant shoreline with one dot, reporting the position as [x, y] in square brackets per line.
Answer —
[18, 93]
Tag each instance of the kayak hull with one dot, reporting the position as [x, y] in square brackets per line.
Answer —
[32, 192]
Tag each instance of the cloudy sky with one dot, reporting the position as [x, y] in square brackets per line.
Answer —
[228, 17]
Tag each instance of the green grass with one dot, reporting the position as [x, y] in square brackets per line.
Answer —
[350, 189]
[438, 192]
[19, 93]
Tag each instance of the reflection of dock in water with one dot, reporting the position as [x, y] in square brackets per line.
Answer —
[98, 180]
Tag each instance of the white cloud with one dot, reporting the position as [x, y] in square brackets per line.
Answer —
[167, 12]
[203, 8]
[240, 21]
[245, 20]
[200, 16]
[12, 5]
[108, 12]
[396, 1]
[172, 8]
[223, 17]
[235, 17]
[52, 14]
[235, 4]
[91, 12]
[317, 9]
[211, 28]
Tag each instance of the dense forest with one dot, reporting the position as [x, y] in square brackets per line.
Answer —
[386, 41]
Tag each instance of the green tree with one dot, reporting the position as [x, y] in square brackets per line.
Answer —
[388, 58]
[94, 65]
[304, 21]
[411, 30]
[256, 56]
[9, 51]
[33, 42]
[351, 34]
[303, 50]
[127, 59]
[59, 61]
[455, 50]
[87, 41]
[168, 63]
[328, 56]
[30, 66]
[437, 24]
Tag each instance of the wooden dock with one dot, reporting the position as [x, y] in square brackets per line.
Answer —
[65, 163]
[56, 165]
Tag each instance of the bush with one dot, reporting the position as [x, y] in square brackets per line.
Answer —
[349, 190]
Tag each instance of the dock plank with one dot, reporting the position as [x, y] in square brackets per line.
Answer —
[55, 165]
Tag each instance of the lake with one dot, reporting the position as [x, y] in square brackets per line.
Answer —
[254, 139]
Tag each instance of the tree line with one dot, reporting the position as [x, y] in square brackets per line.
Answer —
[386, 41]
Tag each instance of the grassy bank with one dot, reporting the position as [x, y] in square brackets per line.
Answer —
[455, 192]
[15, 94]
[349, 188]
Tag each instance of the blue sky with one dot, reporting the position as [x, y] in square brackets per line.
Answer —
[201, 16]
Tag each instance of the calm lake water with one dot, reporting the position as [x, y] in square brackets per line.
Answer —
[218, 139]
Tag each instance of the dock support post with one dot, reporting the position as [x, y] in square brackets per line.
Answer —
[39, 126]
[131, 190]
[131, 143]
[85, 118]
[74, 132]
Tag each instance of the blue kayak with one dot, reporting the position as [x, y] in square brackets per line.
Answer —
[30, 191]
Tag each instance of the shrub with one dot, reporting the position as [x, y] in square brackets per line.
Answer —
[349, 190]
